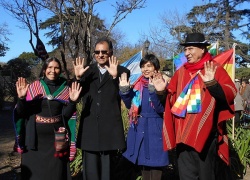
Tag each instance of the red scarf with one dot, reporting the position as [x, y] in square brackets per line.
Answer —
[194, 67]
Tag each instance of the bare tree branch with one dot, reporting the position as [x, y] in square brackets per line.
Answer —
[123, 8]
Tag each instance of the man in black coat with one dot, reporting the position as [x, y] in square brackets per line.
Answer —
[101, 130]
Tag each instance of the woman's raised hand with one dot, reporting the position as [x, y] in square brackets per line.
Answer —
[124, 80]
[21, 87]
[74, 91]
[159, 81]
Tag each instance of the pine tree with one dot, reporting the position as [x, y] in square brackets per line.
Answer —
[226, 21]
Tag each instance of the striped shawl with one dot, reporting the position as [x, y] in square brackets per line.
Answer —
[194, 129]
[37, 90]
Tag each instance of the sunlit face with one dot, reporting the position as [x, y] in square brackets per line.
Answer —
[53, 70]
[148, 70]
[193, 53]
[102, 53]
[243, 84]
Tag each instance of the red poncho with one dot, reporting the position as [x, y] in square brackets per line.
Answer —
[194, 129]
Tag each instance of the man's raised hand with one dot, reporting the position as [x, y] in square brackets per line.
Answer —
[112, 68]
[79, 67]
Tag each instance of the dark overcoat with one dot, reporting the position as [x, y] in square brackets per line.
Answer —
[101, 126]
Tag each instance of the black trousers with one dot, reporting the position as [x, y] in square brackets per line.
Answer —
[197, 166]
[97, 165]
[151, 173]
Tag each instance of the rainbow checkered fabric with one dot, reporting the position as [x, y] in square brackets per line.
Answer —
[189, 100]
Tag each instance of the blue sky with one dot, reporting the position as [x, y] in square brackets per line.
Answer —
[133, 26]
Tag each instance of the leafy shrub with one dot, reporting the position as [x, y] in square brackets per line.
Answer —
[125, 118]
[241, 146]
[76, 165]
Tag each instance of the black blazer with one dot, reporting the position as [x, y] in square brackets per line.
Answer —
[101, 127]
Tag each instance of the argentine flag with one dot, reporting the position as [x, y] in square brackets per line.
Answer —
[133, 64]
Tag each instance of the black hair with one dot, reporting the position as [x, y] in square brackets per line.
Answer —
[46, 63]
[201, 46]
[245, 81]
[152, 59]
[108, 41]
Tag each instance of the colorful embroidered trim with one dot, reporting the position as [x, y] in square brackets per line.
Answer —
[37, 90]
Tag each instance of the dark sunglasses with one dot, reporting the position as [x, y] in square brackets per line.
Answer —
[103, 52]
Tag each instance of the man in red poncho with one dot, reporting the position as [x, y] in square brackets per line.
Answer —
[200, 98]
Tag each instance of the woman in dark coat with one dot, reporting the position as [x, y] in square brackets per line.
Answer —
[43, 106]
[144, 139]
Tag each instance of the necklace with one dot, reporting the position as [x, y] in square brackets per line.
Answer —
[50, 96]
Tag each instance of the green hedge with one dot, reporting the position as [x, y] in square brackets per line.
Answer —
[239, 149]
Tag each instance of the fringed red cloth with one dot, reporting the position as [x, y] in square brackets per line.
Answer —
[194, 129]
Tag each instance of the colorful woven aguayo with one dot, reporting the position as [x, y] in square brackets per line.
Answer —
[189, 100]
[39, 90]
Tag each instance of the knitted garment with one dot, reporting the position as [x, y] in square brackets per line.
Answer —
[136, 101]
[189, 101]
[39, 90]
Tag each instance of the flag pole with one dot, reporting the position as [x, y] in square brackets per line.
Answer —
[233, 78]
[173, 64]
[217, 47]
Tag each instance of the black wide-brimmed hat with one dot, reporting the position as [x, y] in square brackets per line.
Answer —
[195, 39]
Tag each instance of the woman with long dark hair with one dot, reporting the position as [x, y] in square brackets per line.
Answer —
[44, 107]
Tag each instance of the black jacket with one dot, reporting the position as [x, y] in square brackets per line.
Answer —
[101, 127]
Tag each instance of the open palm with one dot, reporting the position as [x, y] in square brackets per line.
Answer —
[21, 87]
[74, 91]
[123, 80]
[79, 67]
[112, 68]
[159, 82]
[210, 70]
